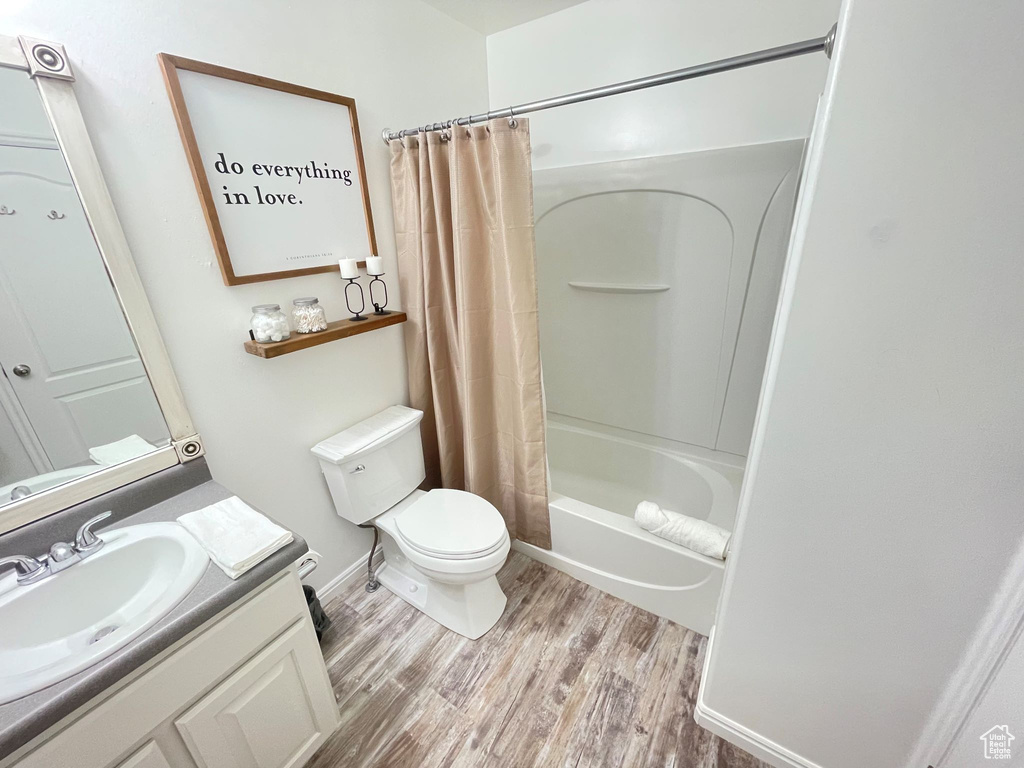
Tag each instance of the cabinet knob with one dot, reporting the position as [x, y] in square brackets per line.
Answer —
[21, 370]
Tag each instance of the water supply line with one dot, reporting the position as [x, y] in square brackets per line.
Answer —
[372, 585]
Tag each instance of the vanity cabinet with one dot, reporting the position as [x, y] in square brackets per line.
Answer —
[247, 690]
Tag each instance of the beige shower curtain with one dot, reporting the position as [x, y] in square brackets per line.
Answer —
[463, 205]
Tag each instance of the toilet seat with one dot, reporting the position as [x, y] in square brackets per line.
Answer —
[452, 525]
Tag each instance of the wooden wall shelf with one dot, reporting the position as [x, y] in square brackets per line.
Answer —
[339, 329]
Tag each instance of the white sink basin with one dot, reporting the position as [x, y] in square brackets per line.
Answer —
[57, 627]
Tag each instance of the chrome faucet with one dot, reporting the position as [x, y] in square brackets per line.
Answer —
[61, 555]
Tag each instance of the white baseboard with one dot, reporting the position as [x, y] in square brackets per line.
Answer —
[747, 740]
[353, 574]
[536, 553]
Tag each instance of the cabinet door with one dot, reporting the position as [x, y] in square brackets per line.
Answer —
[274, 712]
[148, 756]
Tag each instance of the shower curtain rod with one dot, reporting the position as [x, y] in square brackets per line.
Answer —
[814, 45]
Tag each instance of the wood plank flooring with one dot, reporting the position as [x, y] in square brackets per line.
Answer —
[569, 676]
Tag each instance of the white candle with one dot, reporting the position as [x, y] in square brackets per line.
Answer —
[349, 267]
[374, 265]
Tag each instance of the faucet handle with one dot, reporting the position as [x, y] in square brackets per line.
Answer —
[28, 568]
[86, 541]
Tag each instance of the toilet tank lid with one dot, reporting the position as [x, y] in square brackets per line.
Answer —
[368, 435]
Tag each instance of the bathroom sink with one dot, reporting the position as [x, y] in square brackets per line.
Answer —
[67, 622]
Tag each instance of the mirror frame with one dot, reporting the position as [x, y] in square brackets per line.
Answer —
[48, 65]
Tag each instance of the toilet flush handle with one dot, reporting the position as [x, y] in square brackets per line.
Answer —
[358, 468]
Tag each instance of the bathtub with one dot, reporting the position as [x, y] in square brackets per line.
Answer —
[597, 477]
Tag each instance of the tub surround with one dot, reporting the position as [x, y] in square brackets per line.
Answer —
[711, 229]
[163, 497]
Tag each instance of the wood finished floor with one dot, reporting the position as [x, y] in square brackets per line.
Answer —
[569, 676]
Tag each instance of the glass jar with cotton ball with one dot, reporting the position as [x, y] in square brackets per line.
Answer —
[308, 315]
[269, 323]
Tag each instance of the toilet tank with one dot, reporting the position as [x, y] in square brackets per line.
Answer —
[374, 464]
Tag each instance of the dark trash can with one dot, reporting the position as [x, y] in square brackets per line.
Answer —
[316, 611]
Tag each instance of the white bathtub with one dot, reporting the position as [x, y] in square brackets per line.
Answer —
[597, 478]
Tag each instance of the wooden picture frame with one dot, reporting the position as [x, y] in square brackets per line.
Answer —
[170, 66]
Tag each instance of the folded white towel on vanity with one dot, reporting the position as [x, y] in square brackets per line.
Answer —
[119, 451]
[235, 535]
[699, 535]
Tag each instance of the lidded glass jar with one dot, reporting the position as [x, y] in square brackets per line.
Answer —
[269, 323]
[308, 315]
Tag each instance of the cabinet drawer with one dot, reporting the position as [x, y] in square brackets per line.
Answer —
[125, 719]
[274, 712]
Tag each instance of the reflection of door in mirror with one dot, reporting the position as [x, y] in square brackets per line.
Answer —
[74, 396]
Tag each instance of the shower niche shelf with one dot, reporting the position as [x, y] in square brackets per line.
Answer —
[339, 329]
[618, 287]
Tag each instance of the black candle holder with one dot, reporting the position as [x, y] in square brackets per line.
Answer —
[378, 309]
[362, 301]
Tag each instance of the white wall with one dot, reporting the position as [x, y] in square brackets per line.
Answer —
[404, 63]
[607, 41]
[883, 497]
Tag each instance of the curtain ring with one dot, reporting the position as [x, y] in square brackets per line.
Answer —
[512, 122]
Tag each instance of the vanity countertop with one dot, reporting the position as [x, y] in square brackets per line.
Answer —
[25, 718]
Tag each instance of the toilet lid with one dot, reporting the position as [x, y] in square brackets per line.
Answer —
[452, 524]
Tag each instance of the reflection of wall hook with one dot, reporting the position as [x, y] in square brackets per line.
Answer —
[55, 216]
[5, 211]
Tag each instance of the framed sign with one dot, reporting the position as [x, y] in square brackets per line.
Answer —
[278, 167]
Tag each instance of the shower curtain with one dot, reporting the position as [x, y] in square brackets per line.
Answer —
[463, 206]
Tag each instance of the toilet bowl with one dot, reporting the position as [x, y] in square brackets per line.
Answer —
[432, 569]
[442, 548]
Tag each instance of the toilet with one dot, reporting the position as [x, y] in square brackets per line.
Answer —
[442, 548]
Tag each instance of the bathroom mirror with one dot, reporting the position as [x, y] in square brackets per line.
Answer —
[88, 401]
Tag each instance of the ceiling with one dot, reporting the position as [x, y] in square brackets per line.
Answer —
[490, 16]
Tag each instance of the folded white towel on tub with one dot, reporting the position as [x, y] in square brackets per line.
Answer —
[699, 535]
